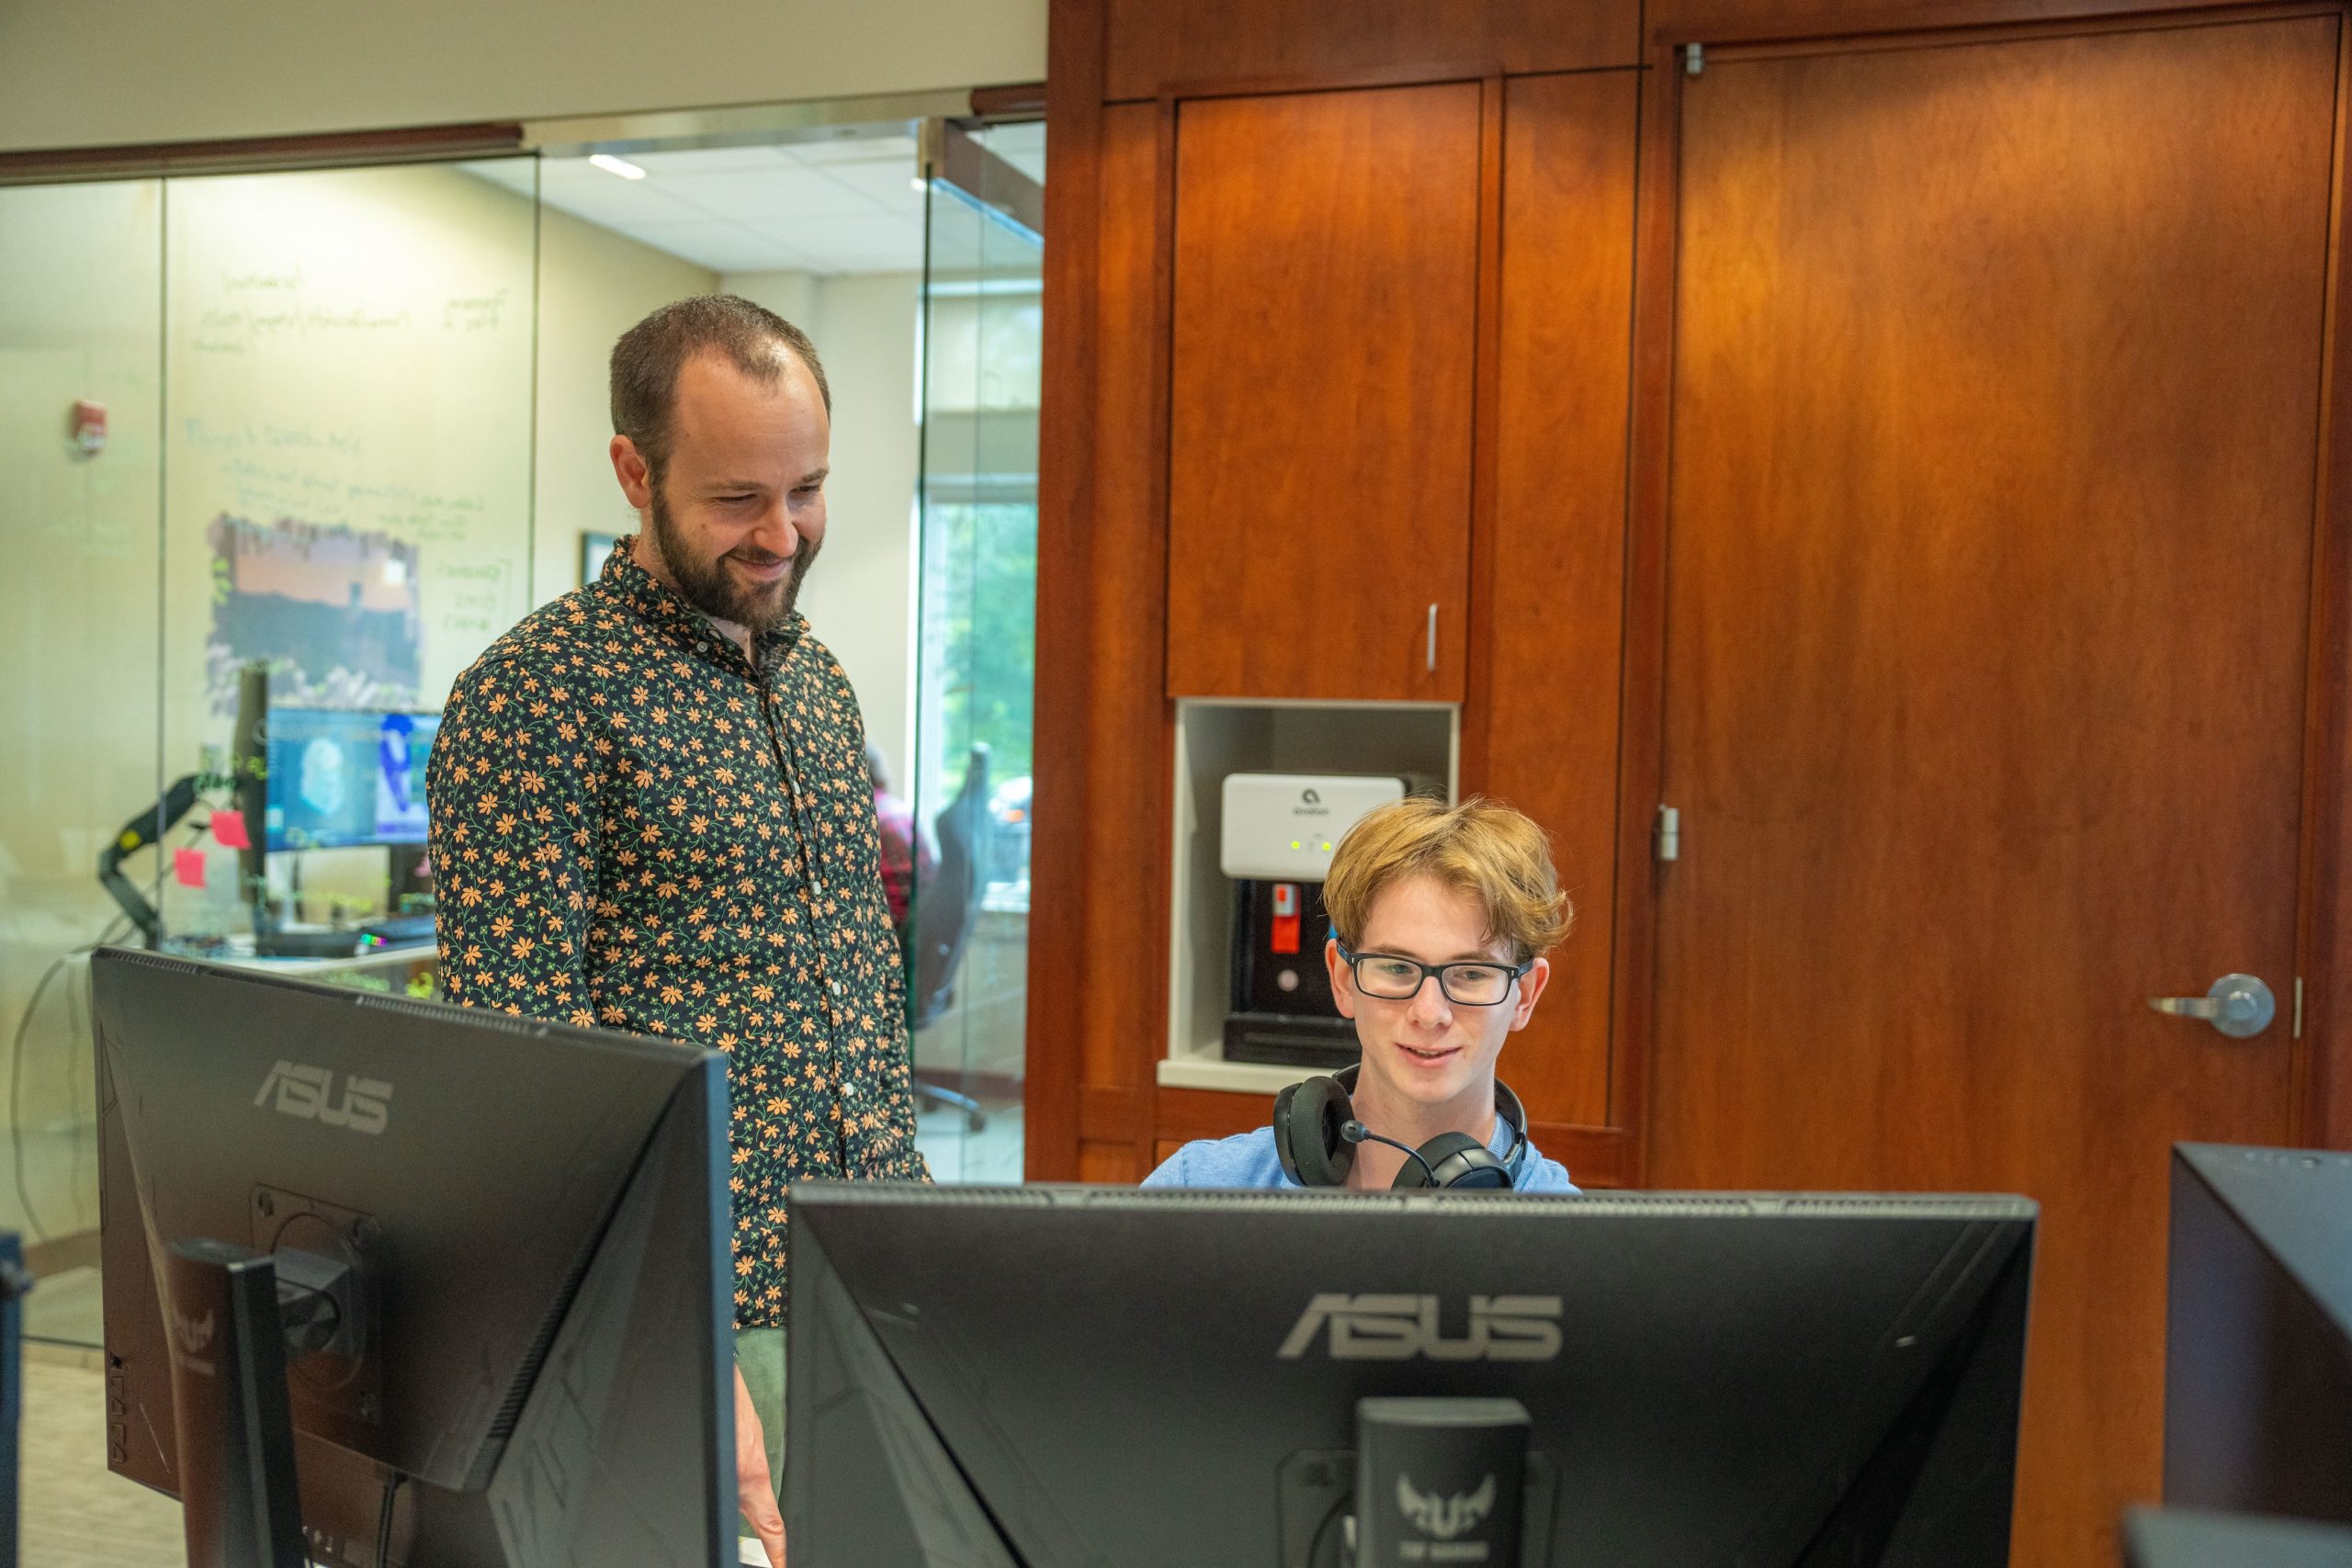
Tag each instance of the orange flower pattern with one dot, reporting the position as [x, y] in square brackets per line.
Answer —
[638, 827]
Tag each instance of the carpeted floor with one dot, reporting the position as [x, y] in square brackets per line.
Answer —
[74, 1514]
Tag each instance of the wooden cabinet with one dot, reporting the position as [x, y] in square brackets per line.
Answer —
[1913, 457]
[1548, 620]
[1325, 285]
[1158, 45]
[1970, 757]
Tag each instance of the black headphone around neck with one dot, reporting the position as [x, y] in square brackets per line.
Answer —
[1315, 1135]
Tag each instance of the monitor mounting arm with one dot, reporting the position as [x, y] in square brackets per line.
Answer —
[148, 828]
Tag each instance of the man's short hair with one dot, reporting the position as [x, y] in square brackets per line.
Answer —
[1480, 847]
[647, 359]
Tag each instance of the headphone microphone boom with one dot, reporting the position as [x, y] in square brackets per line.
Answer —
[1357, 1133]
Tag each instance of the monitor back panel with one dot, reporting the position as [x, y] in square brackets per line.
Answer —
[2258, 1358]
[538, 1210]
[1149, 1379]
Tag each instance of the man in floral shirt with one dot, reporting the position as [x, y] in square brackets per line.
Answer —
[650, 807]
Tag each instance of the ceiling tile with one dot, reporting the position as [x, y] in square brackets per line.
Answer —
[785, 192]
[832, 208]
[889, 185]
[709, 160]
[722, 247]
[857, 150]
[852, 243]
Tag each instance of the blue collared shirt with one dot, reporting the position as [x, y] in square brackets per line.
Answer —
[1247, 1160]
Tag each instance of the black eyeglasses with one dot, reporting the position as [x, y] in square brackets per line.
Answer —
[1471, 984]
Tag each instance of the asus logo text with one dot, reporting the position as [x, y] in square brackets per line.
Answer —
[1398, 1328]
[308, 1094]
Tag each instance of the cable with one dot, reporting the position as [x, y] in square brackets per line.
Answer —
[80, 1034]
[1357, 1133]
[1332, 1516]
[16, 1093]
[77, 1033]
[17, 1072]
[384, 1521]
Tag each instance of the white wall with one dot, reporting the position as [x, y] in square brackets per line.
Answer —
[143, 71]
[593, 285]
[860, 596]
[81, 315]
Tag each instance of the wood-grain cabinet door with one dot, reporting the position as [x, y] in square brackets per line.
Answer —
[1995, 404]
[1323, 299]
[1545, 736]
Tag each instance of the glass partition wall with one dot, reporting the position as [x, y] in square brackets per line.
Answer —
[982, 339]
[81, 438]
[349, 425]
[282, 420]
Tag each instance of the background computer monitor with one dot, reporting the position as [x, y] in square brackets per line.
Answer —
[339, 778]
[2258, 1339]
[537, 1217]
[1057, 1377]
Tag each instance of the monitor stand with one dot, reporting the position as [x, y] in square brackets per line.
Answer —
[406, 888]
[272, 941]
[1438, 1480]
[231, 1322]
[282, 943]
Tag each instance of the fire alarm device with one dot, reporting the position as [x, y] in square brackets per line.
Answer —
[90, 426]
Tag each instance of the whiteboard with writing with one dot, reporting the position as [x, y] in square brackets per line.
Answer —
[348, 368]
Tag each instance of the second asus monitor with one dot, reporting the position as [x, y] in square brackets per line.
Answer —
[1058, 1377]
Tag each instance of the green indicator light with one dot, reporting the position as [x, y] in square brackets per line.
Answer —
[1294, 843]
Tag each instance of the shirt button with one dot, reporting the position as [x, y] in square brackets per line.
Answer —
[837, 987]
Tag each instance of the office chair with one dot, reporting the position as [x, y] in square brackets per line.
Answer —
[943, 914]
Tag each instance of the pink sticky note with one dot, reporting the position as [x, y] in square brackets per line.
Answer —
[188, 866]
[228, 831]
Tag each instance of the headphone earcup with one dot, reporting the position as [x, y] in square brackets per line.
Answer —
[1514, 1116]
[1457, 1160]
[1306, 1133]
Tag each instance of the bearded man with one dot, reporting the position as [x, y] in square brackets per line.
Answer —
[650, 807]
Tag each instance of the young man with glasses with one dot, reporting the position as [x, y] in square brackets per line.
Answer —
[1441, 917]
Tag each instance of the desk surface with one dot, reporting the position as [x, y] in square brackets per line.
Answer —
[240, 955]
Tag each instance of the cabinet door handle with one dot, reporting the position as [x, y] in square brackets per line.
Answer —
[1433, 651]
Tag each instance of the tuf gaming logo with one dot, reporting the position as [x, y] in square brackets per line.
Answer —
[304, 1093]
[194, 1333]
[1445, 1518]
[1398, 1328]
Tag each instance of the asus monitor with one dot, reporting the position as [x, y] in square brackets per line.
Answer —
[2258, 1336]
[1063, 1377]
[517, 1235]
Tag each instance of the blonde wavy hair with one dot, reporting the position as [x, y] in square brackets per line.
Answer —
[1481, 847]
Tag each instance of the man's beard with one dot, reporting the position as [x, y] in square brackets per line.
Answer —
[707, 585]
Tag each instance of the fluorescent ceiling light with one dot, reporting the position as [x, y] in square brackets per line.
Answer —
[613, 165]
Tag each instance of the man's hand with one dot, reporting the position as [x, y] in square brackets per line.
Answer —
[754, 1487]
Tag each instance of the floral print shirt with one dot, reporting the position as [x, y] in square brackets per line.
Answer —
[637, 827]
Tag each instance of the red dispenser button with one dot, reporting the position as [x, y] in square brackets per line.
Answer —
[1286, 932]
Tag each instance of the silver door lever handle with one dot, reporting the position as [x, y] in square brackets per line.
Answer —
[2240, 1006]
